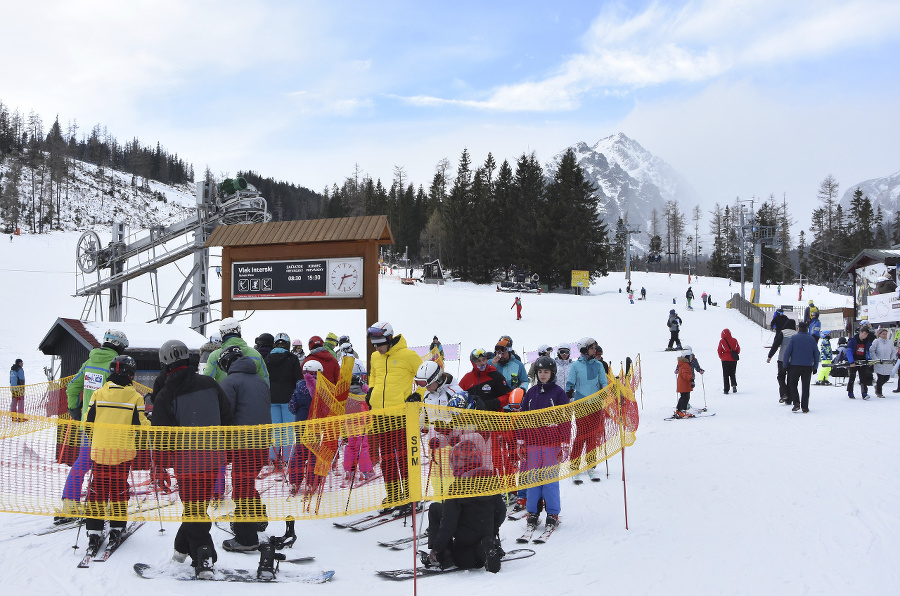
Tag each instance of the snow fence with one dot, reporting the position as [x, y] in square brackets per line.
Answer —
[345, 460]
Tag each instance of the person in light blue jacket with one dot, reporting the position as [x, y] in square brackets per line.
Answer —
[17, 388]
[508, 363]
[587, 376]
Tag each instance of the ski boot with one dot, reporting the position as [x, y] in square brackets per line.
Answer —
[95, 540]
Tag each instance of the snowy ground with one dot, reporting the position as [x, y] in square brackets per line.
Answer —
[755, 500]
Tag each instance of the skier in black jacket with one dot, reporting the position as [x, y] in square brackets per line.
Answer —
[464, 532]
[285, 371]
[191, 399]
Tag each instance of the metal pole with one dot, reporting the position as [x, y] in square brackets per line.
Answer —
[742, 254]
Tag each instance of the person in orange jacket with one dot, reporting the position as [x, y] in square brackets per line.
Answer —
[684, 385]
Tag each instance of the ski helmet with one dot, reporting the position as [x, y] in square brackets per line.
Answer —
[826, 335]
[228, 357]
[311, 365]
[315, 342]
[216, 339]
[544, 349]
[380, 333]
[123, 366]
[428, 373]
[505, 343]
[344, 339]
[346, 348]
[116, 339]
[514, 401]
[546, 363]
[359, 374]
[297, 342]
[173, 351]
[687, 351]
[283, 340]
[476, 354]
[229, 326]
[458, 401]
[585, 343]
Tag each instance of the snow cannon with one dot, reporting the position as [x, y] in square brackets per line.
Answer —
[232, 185]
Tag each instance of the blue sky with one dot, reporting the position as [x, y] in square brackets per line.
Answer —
[743, 98]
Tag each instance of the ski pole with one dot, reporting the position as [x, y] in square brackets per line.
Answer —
[155, 485]
[703, 384]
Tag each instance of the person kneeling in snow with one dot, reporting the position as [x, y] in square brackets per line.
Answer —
[464, 532]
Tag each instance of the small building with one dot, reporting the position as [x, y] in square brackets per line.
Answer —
[71, 340]
[433, 273]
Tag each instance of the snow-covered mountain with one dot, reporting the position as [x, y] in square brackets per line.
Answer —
[881, 191]
[95, 197]
[631, 180]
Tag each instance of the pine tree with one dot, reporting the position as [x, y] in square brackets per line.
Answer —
[455, 216]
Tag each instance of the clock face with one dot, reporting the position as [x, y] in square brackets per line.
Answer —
[344, 277]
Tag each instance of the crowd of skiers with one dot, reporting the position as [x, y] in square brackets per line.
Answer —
[273, 381]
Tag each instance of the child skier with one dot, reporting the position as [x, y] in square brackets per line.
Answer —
[543, 445]
[112, 449]
[825, 357]
[684, 384]
[436, 423]
[302, 460]
[356, 451]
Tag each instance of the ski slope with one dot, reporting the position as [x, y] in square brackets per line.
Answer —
[755, 500]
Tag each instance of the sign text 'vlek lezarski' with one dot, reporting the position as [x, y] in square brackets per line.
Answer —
[313, 278]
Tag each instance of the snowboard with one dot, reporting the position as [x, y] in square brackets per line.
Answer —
[404, 574]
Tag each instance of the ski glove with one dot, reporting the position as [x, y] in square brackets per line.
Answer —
[369, 396]
[570, 393]
[413, 398]
[75, 413]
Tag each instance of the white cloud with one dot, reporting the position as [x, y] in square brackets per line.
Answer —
[697, 42]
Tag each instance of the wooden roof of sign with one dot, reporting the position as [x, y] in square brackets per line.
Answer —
[338, 229]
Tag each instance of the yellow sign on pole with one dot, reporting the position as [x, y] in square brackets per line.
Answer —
[581, 279]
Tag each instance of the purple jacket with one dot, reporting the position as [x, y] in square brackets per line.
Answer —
[540, 396]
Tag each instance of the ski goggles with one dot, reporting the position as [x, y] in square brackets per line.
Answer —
[562, 352]
[376, 336]
[499, 349]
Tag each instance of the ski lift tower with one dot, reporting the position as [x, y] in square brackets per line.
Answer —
[758, 235]
[100, 269]
[624, 229]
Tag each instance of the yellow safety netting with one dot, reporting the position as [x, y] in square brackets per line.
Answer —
[349, 460]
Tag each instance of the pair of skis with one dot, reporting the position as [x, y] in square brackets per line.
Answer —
[376, 519]
[544, 536]
[100, 557]
[403, 543]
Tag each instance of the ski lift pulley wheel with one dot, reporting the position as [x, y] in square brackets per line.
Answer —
[87, 252]
[535, 278]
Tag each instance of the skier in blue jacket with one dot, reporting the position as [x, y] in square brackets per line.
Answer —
[587, 376]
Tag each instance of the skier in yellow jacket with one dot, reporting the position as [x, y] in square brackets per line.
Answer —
[115, 409]
[391, 372]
